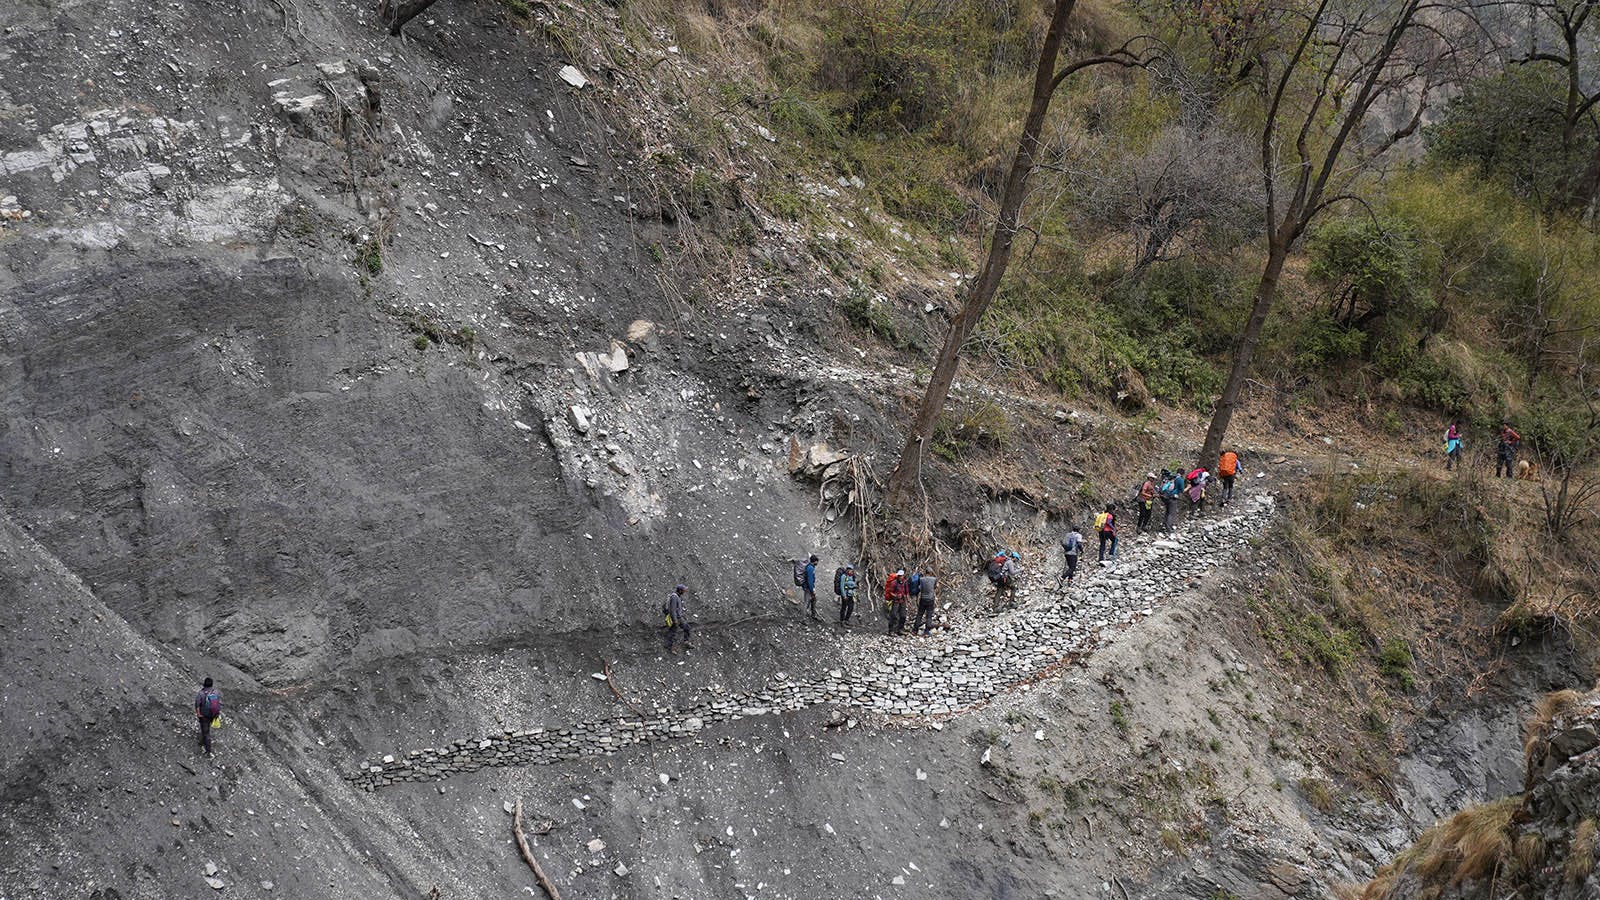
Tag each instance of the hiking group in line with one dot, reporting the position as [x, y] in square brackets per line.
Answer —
[1506, 444]
[1003, 568]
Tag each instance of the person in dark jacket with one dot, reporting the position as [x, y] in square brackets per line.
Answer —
[207, 708]
[847, 595]
[1505, 450]
[677, 620]
[1071, 548]
[1147, 503]
[811, 585]
[925, 588]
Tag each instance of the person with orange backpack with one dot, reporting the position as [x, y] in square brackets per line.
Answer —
[895, 592]
[1227, 470]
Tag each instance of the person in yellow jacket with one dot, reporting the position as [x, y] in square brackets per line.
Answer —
[1105, 525]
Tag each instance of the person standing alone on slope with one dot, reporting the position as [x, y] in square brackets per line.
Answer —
[677, 620]
[207, 710]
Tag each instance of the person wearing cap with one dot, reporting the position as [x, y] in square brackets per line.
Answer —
[895, 593]
[1147, 502]
[847, 595]
[677, 620]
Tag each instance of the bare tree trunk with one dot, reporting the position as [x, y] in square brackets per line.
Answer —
[396, 13]
[1245, 351]
[981, 293]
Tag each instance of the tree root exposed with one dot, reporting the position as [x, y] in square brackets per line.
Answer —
[611, 682]
[527, 854]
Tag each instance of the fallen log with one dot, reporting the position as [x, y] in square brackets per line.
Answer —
[527, 854]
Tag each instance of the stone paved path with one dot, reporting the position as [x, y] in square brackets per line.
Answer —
[927, 680]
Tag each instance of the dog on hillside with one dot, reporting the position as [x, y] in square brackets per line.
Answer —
[1527, 470]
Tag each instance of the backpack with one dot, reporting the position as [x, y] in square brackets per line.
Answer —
[916, 583]
[838, 581]
[211, 703]
[1102, 521]
[799, 574]
[995, 567]
[1229, 464]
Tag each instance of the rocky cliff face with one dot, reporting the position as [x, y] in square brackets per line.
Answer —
[1542, 842]
[318, 345]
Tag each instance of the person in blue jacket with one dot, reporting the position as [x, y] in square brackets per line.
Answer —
[810, 586]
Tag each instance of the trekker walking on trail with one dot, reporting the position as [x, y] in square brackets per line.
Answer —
[1002, 573]
[895, 592]
[207, 711]
[1171, 487]
[677, 620]
[1106, 525]
[1147, 502]
[805, 578]
[1452, 445]
[1228, 468]
[924, 584]
[1197, 491]
[1072, 546]
[847, 594]
[1505, 451]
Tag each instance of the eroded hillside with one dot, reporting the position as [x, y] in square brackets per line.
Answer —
[394, 382]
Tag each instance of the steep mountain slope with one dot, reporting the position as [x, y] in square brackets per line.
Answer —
[342, 369]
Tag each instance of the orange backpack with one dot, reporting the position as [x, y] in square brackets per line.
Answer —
[1229, 463]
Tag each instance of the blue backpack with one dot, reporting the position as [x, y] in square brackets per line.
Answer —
[916, 583]
[211, 703]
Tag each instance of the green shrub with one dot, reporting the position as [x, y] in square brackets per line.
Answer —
[1395, 662]
[862, 308]
[984, 425]
[1322, 341]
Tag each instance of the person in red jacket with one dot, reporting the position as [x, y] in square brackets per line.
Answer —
[895, 592]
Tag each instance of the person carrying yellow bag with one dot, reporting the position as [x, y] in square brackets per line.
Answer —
[208, 712]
